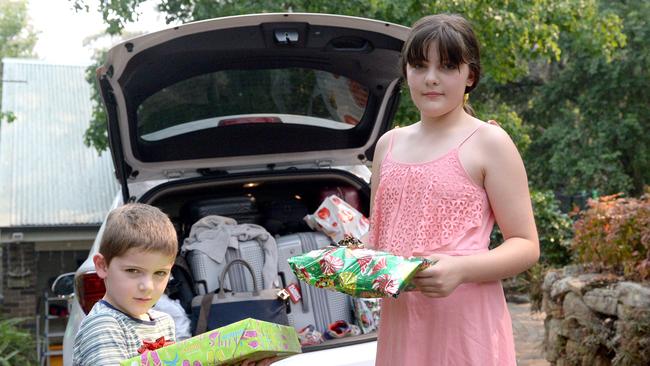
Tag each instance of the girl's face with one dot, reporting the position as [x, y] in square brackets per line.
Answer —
[135, 281]
[437, 89]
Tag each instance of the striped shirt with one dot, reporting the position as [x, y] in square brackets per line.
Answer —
[107, 335]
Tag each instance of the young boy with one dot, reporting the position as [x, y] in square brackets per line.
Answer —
[135, 258]
[136, 254]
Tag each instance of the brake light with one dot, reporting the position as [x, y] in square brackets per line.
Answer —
[248, 120]
[91, 289]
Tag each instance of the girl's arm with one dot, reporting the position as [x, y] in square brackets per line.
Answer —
[506, 185]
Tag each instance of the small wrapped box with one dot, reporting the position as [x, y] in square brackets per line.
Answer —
[338, 220]
[247, 339]
[358, 272]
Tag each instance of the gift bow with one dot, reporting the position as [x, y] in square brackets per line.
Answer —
[152, 346]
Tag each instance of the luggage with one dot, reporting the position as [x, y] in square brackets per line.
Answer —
[243, 209]
[181, 285]
[212, 310]
[205, 247]
[317, 306]
[206, 271]
[284, 216]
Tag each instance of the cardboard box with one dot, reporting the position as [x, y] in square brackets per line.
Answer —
[229, 345]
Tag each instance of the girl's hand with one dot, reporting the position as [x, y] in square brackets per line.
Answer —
[442, 278]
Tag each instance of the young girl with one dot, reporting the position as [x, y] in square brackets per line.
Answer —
[438, 186]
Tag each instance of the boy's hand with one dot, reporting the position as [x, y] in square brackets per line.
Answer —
[440, 279]
[264, 362]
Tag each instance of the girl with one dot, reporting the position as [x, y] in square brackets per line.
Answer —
[443, 182]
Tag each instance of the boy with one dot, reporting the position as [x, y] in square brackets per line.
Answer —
[136, 254]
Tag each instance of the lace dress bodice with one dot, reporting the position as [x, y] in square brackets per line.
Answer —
[429, 207]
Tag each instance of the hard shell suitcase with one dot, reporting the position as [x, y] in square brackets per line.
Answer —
[317, 306]
[206, 271]
[243, 209]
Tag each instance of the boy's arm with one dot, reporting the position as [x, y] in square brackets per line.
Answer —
[101, 341]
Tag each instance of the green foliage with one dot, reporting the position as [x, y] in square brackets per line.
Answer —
[591, 113]
[96, 134]
[554, 229]
[17, 347]
[512, 34]
[615, 232]
[17, 39]
[534, 279]
[508, 119]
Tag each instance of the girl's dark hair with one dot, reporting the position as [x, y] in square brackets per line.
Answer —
[456, 42]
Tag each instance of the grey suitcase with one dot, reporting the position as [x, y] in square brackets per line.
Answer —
[317, 306]
[206, 271]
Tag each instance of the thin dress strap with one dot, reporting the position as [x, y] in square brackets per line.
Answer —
[390, 146]
[471, 134]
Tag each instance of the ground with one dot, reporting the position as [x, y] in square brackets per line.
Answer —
[528, 329]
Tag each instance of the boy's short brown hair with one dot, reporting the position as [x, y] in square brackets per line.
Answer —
[137, 226]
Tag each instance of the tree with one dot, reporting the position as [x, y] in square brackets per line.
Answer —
[512, 33]
[17, 39]
[592, 114]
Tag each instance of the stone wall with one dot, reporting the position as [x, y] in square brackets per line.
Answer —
[595, 319]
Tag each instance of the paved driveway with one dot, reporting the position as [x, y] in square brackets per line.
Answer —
[528, 330]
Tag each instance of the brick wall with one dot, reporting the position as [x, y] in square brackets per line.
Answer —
[19, 282]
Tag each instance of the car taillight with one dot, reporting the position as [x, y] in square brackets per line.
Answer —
[91, 289]
[248, 120]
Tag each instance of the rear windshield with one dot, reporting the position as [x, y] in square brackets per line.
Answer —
[230, 97]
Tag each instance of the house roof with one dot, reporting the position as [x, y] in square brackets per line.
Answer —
[48, 177]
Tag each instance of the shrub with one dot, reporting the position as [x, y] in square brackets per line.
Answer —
[554, 229]
[17, 346]
[614, 232]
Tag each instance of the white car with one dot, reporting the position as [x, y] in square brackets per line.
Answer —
[257, 105]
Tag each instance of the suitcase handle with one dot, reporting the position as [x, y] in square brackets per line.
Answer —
[222, 292]
[303, 295]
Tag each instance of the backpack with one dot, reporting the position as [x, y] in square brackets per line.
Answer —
[181, 284]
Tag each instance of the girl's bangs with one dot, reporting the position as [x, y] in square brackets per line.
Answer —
[450, 47]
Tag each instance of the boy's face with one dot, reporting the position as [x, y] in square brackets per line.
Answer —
[134, 281]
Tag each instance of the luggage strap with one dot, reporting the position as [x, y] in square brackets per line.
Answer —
[204, 313]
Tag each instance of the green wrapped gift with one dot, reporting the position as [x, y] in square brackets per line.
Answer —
[248, 339]
[359, 272]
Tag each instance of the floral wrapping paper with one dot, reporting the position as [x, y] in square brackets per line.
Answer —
[248, 339]
[358, 272]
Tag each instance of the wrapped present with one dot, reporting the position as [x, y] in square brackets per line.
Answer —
[247, 339]
[338, 220]
[351, 269]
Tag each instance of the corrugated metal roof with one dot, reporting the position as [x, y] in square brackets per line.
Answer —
[48, 176]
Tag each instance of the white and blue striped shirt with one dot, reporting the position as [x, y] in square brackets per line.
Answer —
[107, 335]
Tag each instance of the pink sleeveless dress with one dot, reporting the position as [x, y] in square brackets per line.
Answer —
[434, 207]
